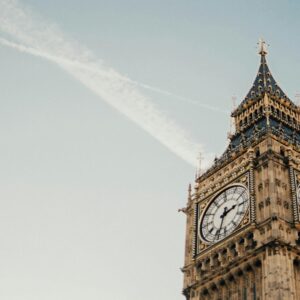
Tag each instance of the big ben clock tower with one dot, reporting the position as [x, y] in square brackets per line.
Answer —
[243, 226]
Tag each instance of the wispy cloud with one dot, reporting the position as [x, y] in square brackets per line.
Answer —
[29, 34]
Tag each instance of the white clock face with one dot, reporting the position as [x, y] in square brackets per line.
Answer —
[224, 213]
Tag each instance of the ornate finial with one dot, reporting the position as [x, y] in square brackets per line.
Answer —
[198, 170]
[297, 96]
[190, 191]
[262, 46]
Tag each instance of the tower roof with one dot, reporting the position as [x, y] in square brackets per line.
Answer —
[265, 111]
[263, 83]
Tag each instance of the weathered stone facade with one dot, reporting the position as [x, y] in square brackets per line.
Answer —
[260, 259]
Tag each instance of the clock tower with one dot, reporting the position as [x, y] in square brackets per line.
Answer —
[243, 226]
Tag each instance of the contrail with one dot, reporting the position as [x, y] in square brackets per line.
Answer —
[184, 99]
[55, 59]
[46, 41]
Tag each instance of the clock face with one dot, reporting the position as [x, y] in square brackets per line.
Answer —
[224, 213]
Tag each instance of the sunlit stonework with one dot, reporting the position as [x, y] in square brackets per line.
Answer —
[242, 231]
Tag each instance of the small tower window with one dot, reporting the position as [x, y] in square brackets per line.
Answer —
[257, 152]
[284, 116]
[244, 293]
[255, 114]
[254, 291]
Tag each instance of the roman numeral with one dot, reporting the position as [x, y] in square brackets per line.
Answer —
[240, 195]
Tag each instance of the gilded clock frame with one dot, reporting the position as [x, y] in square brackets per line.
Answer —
[244, 180]
[202, 214]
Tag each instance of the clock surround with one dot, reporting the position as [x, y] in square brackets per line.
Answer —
[224, 213]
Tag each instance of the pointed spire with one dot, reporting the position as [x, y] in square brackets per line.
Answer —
[263, 83]
[199, 167]
[190, 191]
[189, 200]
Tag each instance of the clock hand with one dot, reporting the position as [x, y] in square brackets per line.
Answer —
[219, 230]
[224, 212]
[233, 207]
[222, 217]
[227, 211]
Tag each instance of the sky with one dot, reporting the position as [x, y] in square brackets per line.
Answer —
[104, 109]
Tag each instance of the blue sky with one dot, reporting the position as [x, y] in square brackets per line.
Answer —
[89, 198]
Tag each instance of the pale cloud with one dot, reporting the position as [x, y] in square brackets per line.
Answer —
[29, 34]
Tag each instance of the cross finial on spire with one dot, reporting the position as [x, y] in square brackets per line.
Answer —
[198, 171]
[262, 46]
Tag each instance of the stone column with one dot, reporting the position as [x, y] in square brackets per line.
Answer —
[277, 275]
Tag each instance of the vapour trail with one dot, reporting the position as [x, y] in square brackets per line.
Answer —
[45, 40]
[184, 99]
[55, 59]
